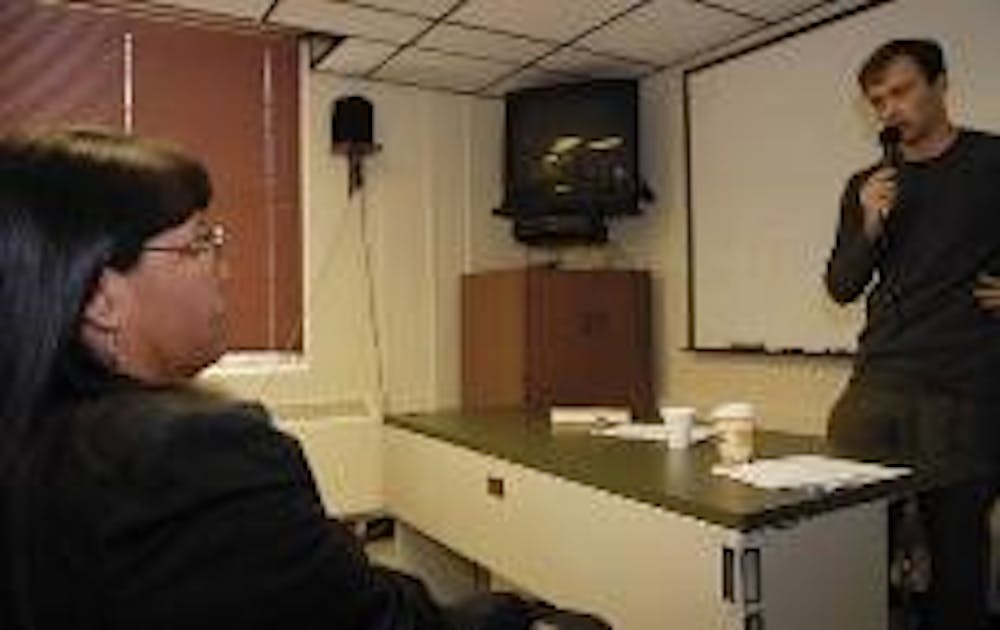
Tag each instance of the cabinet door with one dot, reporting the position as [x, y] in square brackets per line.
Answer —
[590, 338]
[448, 493]
[636, 566]
[828, 572]
[493, 339]
[639, 567]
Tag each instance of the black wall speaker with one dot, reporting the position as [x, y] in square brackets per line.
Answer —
[353, 121]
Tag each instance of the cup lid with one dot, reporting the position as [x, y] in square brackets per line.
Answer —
[734, 410]
[677, 409]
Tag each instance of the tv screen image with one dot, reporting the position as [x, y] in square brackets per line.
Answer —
[572, 149]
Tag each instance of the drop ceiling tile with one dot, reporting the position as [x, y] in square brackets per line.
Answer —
[545, 19]
[529, 78]
[478, 42]
[252, 9]
[593, 65]
[666, 31]
[769, 9]
[430, 8]
[340, 18]
[356, 56]
[434, 69]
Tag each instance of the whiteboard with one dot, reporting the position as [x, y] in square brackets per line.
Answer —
[773, 135]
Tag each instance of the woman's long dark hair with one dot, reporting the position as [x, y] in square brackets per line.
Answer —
[72, 203]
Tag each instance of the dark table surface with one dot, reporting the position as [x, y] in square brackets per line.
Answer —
[679, 481]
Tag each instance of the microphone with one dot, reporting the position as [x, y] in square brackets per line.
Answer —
[892, 153]
[892, 156]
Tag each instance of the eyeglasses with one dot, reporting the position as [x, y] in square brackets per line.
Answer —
[209, 240]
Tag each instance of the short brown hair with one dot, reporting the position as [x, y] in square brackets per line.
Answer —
[926, 53]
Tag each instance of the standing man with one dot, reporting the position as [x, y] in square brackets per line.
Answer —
[922, 237]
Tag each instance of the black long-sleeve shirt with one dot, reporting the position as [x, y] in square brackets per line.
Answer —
[922, 318]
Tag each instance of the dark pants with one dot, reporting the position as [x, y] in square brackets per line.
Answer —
[887, 415]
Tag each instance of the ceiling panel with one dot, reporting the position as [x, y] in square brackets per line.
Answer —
[531, 77]
[253, 9]
[356, 57]
[595, 66]
[545, 19]
[345, 19]
[770, 9]
[666, 31]
[434, 69]
[430, 8]
[452, 38]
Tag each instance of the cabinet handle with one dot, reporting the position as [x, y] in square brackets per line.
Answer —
[750, 570]
[728, 575]
[495, 487]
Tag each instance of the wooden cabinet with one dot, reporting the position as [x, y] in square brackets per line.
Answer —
[539, 337]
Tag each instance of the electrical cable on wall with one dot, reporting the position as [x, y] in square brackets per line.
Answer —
[352, 135]
[374, 322]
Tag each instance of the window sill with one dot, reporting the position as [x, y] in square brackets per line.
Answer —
[257, 362]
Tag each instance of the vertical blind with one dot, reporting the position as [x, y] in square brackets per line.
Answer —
[228, 96]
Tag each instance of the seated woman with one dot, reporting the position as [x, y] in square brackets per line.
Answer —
[130, 498]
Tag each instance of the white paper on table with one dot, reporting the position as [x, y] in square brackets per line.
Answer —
[652, 432]
[808, 471]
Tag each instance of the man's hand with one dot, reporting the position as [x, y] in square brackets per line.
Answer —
[878, 196]
[987, 293]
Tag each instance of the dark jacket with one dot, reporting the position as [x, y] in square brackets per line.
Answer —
[165, 508]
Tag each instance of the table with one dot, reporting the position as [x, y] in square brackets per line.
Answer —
[644, 536]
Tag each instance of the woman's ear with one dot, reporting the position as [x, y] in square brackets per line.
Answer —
[106, 310]
[105, 317]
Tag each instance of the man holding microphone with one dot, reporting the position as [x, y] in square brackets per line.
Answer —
[919, 234]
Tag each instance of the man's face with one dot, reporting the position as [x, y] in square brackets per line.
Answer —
[902, 97]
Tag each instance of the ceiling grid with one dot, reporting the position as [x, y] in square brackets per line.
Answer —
[487, 47]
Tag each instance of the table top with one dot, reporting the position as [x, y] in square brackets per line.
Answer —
[680, 481]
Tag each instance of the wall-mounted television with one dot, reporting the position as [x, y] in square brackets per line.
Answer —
[571, 159]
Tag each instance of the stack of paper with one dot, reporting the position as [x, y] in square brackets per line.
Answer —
[652, 432]
[808, 472]
[590, 415]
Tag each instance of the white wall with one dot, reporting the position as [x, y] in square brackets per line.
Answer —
[429, 196]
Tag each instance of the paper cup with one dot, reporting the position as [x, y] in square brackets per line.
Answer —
[735, 424]
[679, 422]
